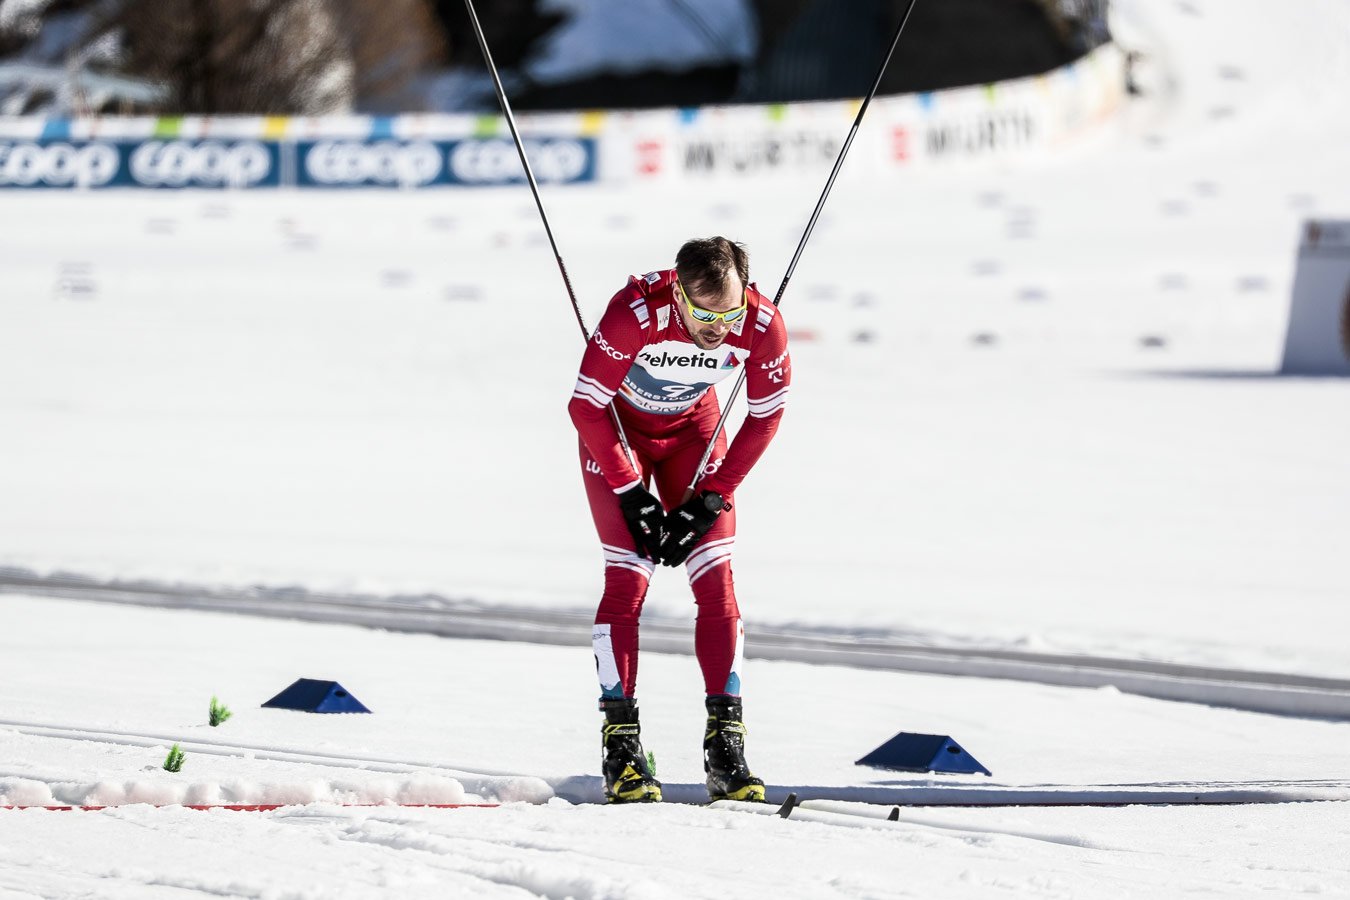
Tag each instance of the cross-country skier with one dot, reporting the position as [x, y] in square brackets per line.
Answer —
[663, 342]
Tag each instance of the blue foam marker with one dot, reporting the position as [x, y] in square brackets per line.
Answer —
[909, 752]
[309, 695]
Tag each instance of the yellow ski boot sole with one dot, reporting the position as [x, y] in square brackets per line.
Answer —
[633, 787]
[751, 793]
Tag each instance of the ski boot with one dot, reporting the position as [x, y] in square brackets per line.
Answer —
[628, 776]
[729, 776]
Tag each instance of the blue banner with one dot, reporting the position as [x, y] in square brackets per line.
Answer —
[176, 163]
[417, 163]
[204, 164]
[207, 163]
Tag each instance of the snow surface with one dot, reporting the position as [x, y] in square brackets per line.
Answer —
[151, 672]
[366, 391]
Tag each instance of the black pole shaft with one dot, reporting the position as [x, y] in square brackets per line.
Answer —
[539, 203]
[843, 151]
[525, 161]
[806, 235]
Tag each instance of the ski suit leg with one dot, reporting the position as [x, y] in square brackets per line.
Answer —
[614, 637]
[718, 635]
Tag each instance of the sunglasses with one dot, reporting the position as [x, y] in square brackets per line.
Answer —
[707, 316]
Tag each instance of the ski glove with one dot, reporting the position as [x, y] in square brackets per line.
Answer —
[645, 516]
[687, 524]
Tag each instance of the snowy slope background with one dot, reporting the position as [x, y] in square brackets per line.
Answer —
[366, 391]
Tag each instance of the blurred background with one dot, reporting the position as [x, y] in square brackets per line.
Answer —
[317, 57]
[282, 334]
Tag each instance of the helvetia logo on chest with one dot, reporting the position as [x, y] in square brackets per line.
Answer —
[732, 362]
[665, 359]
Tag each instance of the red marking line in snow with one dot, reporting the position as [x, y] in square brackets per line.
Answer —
[263, 807]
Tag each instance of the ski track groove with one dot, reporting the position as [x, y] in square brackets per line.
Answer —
[825, 799]
[1266, 692]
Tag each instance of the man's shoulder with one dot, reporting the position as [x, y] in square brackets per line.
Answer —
[646, 298]
[652, 286]
[761, 310]
[755, 298]
[651, 283]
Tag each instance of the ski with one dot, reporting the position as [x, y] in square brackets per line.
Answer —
[880, 802]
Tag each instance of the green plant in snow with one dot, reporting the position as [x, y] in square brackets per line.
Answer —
[174, 761]
[219, 712]
[651, 762]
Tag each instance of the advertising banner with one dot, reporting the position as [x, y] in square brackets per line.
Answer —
[336, 163]
[144, 164]
[413, 164]
[976, 124]
[757, 152]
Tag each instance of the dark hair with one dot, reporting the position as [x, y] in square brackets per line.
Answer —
[704, 265]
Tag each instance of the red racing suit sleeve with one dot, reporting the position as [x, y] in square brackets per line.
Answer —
[768, 374]
[621, 334]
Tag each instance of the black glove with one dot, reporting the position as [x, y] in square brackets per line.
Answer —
[687, 524]
[645, 516]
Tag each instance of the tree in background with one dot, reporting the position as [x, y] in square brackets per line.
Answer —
[235, 56]
[315, 57]
[393, 45]
[260, 57]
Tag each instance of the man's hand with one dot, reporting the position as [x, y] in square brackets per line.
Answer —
[687, 524]
[645, 516]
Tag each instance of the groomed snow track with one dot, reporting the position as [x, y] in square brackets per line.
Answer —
[865, 801]
[1266, 692]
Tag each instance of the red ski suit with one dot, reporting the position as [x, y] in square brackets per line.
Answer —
[642, 354]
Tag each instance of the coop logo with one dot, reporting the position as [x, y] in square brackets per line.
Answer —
[497, 162]
[31, 164]
[384, 163]
[177, 164]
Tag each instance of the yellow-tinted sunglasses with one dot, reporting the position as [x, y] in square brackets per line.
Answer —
[707, 316]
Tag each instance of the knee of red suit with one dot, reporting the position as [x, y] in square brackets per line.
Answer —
[621, 602]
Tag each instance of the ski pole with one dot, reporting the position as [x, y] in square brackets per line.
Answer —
[539, 204]
[810, 226]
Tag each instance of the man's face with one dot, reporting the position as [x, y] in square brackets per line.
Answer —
[709, 335]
